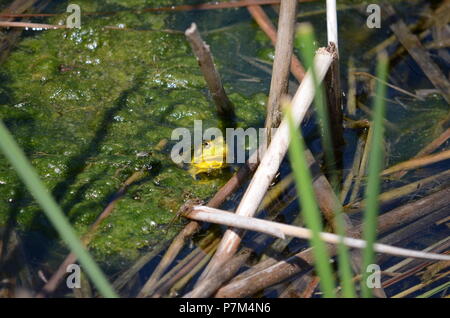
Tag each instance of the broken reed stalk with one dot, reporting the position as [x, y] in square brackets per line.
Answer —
[225, 108]
[266, 25]
[270, 162]
[271, 272]
[280, 230]
[419, 54]
[280, 71]
[335, 115]
[417, 162]
[333, 86]
[57, 277]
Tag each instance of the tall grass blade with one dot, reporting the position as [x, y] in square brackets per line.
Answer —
[309, 208]
[305, 38]
[305, 42]
[28, 175]
[374, 168]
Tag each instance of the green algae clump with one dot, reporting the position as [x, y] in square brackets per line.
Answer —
[89, 107]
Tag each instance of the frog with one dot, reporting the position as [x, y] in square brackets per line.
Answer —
[210, 157]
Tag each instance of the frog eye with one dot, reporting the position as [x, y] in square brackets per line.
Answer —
[206, 144]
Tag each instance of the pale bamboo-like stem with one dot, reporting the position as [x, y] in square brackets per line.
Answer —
[271, 161]
[206, 214]
[332, 26]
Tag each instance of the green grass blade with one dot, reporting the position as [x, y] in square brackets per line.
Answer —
[28, 175]
[309, 208]
[344, 265]
[373, 179]
[305, 38]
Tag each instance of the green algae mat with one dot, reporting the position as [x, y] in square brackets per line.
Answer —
[90, 107]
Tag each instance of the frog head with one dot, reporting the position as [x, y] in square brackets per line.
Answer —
[211, 156]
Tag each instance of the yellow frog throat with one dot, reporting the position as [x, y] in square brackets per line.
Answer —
[209, 157]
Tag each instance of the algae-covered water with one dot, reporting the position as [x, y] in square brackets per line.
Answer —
[91, 106]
